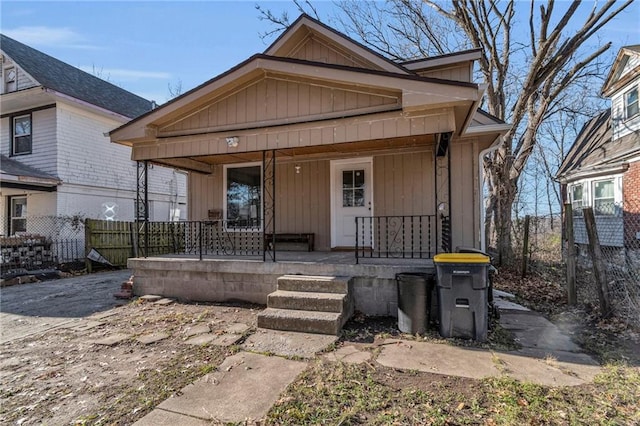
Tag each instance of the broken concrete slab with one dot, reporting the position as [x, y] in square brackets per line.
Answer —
[226, 339]
[148, 339]
[201, 339]
[164, 302]
[437, 358]
[86, 325]
[288, 343]
[198, 329]
[112, 340]
[102, 315]
[244, 387]
[160, 417]
[237, 328]
[348, 354]
[532, 330]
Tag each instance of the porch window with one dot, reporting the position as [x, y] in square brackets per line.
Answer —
[243, 196]
[18, 221]
[353, 188]
[21, 135]
[631, 103]
[577, 199]
[604, 198]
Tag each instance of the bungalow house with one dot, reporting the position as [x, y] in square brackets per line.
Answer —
[57, 165]
[323, 143]
[602, 168]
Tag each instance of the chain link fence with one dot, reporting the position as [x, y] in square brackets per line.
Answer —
[618, 230]
[45, 242]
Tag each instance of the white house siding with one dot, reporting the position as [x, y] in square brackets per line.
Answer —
[43, 141]
[622, 127]
[24, 80]
[98, 174]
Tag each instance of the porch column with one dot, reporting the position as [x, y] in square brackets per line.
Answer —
[142, 204]
[443, 191]
[269, 203]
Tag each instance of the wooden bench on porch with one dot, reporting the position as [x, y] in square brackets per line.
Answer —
[304, 237]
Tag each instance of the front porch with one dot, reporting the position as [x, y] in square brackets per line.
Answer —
[224, 278]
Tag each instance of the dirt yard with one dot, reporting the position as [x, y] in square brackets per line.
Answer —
[73, 375]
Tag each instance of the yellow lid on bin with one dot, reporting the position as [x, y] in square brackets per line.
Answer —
[461, 258]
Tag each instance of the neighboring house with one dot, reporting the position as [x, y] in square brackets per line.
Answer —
[351, 134]
[56, 158]
[602, 168]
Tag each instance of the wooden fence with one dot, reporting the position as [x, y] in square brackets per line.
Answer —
[118, 241]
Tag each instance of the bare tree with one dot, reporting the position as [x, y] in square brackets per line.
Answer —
[527, 76]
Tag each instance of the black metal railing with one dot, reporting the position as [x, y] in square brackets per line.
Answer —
[407, 237]
[445, 237]
[202, 238]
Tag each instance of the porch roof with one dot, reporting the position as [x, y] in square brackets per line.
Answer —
[14, 174]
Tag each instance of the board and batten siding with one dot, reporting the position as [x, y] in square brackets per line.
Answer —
[273, 99]
[43, 141]
[465, 213]
[317, 51]
[457, 73]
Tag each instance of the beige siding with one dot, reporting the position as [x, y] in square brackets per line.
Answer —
[272, 99]
[464, 197]
[317, 51]
[459, 73]
[403, 184]
[205, 193]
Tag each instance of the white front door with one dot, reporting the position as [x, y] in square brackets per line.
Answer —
[351, 197]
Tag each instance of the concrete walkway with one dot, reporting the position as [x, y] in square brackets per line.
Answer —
[248, 383]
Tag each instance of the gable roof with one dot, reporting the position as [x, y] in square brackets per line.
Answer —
[66, 79]
[595, 151]
[305, 25]
[615, 79]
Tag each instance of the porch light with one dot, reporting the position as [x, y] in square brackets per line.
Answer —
[232, 141]
[297, 167]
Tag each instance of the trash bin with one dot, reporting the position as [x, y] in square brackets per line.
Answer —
[414, 301]
[462, 294]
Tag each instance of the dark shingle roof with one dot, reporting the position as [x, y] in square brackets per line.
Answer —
[61, 77]
[594, 146]
[18, 169]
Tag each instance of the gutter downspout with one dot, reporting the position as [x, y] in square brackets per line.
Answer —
[494, 146]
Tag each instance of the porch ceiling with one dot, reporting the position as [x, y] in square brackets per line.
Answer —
[203, 163]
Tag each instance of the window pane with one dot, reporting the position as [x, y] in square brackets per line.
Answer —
[244, 192]
[18, 225]
[22, 145]
[603, 189]
[347, 198]
[576, 193]
[359, 178]
[347, 179]
[631, 103]
[358, 197]
[19, 207]
[22, 126]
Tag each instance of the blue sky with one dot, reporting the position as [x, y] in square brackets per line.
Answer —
[145, 46]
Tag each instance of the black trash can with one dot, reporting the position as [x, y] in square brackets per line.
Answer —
[414, 301]
[463, 294]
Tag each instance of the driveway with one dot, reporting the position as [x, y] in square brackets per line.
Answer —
[33, 308]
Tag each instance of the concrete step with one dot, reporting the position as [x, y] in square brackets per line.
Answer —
[302, 321]
[308, 301]
[314, 284]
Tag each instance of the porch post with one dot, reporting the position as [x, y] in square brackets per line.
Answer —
[269, 204]
[142, 203]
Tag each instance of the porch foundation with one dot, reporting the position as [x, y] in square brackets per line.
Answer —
[217, 280]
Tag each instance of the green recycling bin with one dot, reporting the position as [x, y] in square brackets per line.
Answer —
[463, 294]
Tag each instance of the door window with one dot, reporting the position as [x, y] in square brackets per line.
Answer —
[353, 188]
[18, 215]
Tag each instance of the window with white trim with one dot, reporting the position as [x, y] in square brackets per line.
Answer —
[18, 221]
[604, 201]
[631, 103]
[577, 199]
[243, 196]
[10, 79]
[21, 135]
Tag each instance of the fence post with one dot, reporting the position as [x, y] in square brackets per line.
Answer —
[525, 246]
[88, 227]
[572, 295]
[133, 230]
[598, 266]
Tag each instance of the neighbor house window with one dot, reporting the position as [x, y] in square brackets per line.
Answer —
[577, 199]
[243, 186]
[21, 135]
[631, 103]
[603, 197]
[10, 80]
[18, 221]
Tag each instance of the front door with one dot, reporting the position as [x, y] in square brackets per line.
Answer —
[351, 196]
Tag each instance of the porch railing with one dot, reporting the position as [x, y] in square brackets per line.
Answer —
[218, 237]
[407, 237]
